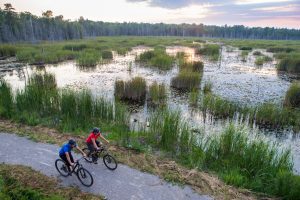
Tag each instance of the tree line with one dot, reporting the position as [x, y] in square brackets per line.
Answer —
[24, 26]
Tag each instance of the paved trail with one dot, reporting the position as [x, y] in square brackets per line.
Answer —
[124, 183]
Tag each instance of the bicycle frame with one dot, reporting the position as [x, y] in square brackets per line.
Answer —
[77, 166]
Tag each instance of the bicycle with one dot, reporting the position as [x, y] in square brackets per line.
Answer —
[83, 175]
[109, 161]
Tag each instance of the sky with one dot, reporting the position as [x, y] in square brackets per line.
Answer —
[262, 13]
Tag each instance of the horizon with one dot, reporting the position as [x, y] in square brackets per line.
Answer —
[249, 13]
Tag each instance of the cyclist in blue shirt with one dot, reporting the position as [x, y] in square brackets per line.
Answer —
[66, 155]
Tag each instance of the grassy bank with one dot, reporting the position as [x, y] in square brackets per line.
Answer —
[41, 102]
[14, 185]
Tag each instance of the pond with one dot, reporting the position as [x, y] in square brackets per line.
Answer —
[232, 78]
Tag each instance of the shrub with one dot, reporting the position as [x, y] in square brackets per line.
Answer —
[292, 97]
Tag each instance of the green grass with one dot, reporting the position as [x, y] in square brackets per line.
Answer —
[157, 58]
[280, 49]
[194, 97]
[41, 102]
[292, 97]
[133, 90]
[196, 66]
[107, 55]
[186, 81]
[266, 114]
[245, 48]
[290, 65]
[157, 94]
[259, 61]
[211, 50]
[244, 55]
[207, 87]
[7, 51]
[88, 58]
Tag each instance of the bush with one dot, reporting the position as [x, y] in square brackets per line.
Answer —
[133, 90]
[292, 97]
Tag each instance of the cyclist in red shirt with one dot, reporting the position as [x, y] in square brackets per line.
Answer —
[93, 144]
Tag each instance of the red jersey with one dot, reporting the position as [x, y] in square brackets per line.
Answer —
[92, 136]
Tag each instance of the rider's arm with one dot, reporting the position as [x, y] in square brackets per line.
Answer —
[103, 138]
[94, 143]
[81, 151]
[68, 158]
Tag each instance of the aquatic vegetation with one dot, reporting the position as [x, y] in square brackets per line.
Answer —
[107, 55]
[157, 58]
[157, 94]
[257, 53]
[194, 97]
[133, 90]
[75, 47]
[280, 49]
[290, 65]
[88, 59]
[186, 81]
[244, 55]
[211, 50]
[41, 102]
[246, 48]
[259, 61]
[7, 51]
[292, 96]
[207, 87]
[196, 66]
[6, 100]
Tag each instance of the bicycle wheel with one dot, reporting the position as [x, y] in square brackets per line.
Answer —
[85, 177]
[110, 162]
[88, 158]
[61, 167]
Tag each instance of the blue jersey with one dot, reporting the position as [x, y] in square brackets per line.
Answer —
[64, 149]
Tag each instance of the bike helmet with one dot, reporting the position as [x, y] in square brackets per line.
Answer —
[72, 142]
[96, 130]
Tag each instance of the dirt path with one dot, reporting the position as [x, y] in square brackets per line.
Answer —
[123, 183]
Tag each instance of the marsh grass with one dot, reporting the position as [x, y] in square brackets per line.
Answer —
[289, 64]
[266, 114]
[7, 51]
[41, 102]
[157, 94]
[6, 100]
[259, 61]
[157, 58]
[133, 90]
[246, 48]
[88, 58]
[211, 50]
[292, 97]
[194, 97]
[280, 49]
[196, 66]
[207, 87]
[244, 55]
[186, 81]
[108, 55]
[257, 53]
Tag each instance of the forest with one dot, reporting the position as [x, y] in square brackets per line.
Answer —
[24, 26]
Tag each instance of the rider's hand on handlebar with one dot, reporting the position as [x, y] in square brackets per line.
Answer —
[84, 155]
[97, 148]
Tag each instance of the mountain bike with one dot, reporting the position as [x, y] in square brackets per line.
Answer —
[109, 161]
[83, 175]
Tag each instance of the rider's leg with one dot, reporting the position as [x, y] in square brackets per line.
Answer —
[92, 151]
[64, 158]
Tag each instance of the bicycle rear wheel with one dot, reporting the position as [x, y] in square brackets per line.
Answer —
[89, 157]
[110, 162]
[61, 167]
[85, 177]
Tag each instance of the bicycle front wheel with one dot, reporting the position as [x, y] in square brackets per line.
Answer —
[62, 167]
[110, 162]
[85, 177]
